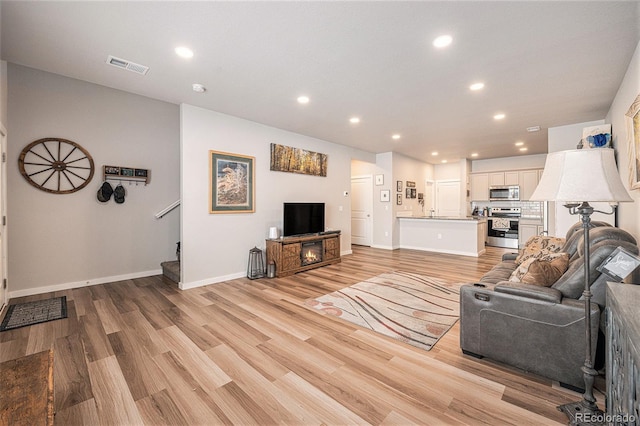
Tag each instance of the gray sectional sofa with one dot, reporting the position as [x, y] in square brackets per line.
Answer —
[536, 328]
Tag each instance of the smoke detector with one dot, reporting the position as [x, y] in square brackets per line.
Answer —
[198, 88]
[127, 65]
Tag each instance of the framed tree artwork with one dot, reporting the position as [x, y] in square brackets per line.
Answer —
[231, 183]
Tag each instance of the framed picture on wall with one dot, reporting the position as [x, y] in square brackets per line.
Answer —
[632, 118]
[399, 186]
[399, 199]
[231, 183]
[379, 180]
[385, 195]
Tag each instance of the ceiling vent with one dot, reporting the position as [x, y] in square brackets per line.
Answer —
[127, 65]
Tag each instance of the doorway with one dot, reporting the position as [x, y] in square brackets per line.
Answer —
[448, 198]
[361, 210]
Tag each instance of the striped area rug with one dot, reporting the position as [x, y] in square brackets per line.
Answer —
[415, 309]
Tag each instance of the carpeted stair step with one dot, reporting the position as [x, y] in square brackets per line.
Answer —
[171, 270]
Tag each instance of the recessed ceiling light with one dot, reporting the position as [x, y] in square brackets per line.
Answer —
[533, 129]
[476, 86]
[434, 153]
[354, 120]
[442, 41]
[519, 143]
[303, 99]
[395, 137]
[184, 52]
[444, 161]
[499, 116]
[474, 154]
[523, 149]
[198, 88]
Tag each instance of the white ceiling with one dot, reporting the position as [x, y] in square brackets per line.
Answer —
[543, 63]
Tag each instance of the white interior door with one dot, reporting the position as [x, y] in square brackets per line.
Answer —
[361, 210]
[3, 213]
[448, 198]
[429, 202]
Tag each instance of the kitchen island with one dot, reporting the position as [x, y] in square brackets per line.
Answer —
[454, 235]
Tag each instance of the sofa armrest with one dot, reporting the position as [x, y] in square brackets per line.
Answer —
[509, 256]
[545, 294]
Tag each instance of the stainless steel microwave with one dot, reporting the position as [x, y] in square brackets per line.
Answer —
[504, 193]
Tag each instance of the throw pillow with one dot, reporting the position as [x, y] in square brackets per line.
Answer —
[539, 245]
[542, 271]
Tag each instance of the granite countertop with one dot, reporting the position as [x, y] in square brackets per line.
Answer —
[465, 218]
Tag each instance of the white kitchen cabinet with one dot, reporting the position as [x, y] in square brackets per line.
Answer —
[528, 181]
[496, 179]
[528, 228]
[512, 178]
[479, 186]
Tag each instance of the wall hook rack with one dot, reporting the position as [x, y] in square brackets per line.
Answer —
[126, 174]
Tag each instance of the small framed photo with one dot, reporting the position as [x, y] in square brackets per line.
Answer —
[385, 195]
[411, 184]
[125, 171]
[399, 186]
[379, 180]
[399, 199]
[407, 193]
[413, 193]
[111, 170]
[420, 196]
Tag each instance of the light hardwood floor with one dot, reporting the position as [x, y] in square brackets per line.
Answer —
[249, 352]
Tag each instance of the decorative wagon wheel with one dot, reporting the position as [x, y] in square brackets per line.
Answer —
[56, 165]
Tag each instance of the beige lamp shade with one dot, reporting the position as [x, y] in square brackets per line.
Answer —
[581, 175]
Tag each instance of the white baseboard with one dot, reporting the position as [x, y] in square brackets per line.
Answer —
[213, 280]
[458, 252]
[77, 284]
[346, 252]
[378, 246]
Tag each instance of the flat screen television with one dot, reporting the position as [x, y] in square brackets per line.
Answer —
[303, 218]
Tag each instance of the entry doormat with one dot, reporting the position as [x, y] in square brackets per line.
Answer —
[412, 308]
[30, 313]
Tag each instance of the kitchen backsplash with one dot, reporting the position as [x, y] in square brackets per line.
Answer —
[530, 209]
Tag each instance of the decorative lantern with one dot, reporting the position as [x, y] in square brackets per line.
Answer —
[255, 268]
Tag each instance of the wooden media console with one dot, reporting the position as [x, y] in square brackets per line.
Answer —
[300, 253]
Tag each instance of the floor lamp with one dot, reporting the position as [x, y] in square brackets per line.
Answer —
[578, 177]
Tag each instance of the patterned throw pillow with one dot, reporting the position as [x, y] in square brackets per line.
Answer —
[543, 271]
[539, 245]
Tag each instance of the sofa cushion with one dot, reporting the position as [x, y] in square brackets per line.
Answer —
[543, 270]
[539, 245]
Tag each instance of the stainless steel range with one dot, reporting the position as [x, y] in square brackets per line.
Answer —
[502, 227]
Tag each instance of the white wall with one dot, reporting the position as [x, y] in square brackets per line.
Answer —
[407, 169]
[62, 241]
[629, 213]
[216, 246]
[564, 138]
[3, 92]
[383, 217]
[567, 137]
